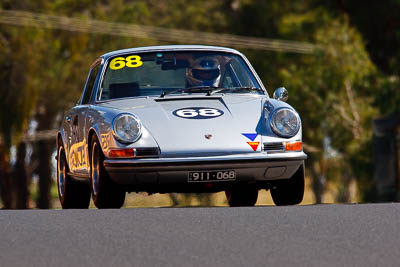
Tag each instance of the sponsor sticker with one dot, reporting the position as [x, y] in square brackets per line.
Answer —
[251, 136]
[254, 145]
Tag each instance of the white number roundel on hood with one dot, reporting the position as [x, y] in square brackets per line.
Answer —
[198, 113]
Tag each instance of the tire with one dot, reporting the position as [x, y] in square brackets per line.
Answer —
[242, 196]
[72, 194]
[290, 191]
[105, 193]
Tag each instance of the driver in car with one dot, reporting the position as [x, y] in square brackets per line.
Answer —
[205, 71]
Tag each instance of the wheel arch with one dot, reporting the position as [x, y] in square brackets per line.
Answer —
[59, 139]
[60, 142]
[92, 133]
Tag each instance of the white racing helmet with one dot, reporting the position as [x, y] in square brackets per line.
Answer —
[205, 71]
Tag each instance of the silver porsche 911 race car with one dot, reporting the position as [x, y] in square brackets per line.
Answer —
[178, 119]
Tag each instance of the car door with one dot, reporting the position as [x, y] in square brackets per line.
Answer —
[79, 158]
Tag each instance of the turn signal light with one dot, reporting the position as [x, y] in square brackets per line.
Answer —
[294, 146]
[122, 153]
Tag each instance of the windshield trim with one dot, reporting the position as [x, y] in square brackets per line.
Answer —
[106, 59]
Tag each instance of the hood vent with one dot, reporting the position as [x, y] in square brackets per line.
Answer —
[182, 98]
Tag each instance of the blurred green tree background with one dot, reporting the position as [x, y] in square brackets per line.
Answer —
[351, 79]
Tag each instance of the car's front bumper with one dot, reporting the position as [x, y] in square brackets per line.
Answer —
[162, 171]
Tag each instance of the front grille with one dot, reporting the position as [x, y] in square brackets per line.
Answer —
[147, 152]
[277, 146]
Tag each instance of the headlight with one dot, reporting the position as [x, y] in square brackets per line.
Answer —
[285, 122]
[127, 128]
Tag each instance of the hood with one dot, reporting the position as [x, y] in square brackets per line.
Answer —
[199, 125]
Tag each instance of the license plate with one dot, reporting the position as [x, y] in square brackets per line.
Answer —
[211, 176]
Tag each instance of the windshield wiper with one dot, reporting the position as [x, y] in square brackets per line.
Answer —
[211, 89]
[248, 88]
[192, 89]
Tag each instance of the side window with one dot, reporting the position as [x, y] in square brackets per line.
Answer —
[90, 84]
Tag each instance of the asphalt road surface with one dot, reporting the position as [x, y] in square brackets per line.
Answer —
[322, 235]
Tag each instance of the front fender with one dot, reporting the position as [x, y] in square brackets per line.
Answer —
[101, 125]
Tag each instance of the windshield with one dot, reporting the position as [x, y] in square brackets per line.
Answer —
[160, 73]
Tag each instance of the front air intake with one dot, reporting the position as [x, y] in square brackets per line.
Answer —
[273, 147]
[147, 152]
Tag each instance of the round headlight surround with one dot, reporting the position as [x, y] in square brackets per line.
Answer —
[276, 129]
[128, 118]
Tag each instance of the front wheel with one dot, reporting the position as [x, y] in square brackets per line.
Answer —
[72, 194]
[105, 193]
[242, 196]
[289, 191]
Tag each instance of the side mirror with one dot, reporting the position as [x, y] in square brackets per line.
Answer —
[281, 94]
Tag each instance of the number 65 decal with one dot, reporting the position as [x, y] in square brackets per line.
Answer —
[198, 113]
